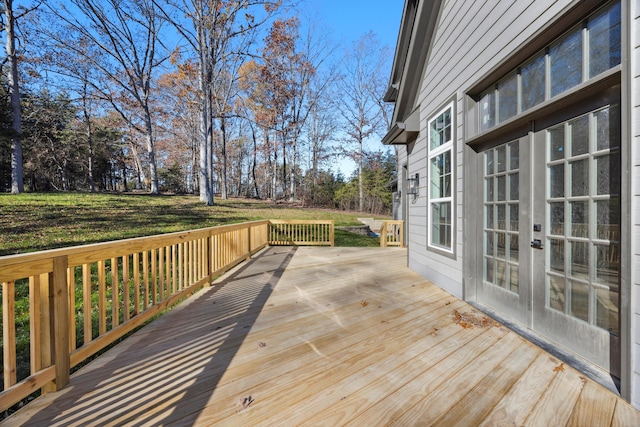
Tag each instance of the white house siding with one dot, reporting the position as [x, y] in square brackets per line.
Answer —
[635, 151]
[471, 38]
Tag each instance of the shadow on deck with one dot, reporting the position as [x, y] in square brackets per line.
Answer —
[326, 336]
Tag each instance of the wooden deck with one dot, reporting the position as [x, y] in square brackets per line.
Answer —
[326, 336]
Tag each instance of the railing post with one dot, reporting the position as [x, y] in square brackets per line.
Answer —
[383, 235]
[333, 234]
[59, 295]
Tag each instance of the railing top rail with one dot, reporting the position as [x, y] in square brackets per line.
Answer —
[102, 249]
[301, 221]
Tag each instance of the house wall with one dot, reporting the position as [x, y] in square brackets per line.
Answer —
[459, 57]
[470, 40]
[634, 32]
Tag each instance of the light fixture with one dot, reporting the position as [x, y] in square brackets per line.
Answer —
[413, 184]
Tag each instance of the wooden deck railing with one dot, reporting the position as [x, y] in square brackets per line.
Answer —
[301, 232]
[84, 298]
[392, 233]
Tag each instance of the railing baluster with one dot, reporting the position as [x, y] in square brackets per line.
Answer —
[136, 283]
[154, 276]
[86, 299]
[145, 274]
[9, 333]
[115, 293]
[125, 286]
[34, 323]
[71, 281]
[102, 299]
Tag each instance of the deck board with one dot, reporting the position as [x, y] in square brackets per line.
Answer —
[325, 336]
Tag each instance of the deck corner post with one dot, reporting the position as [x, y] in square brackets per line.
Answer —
[59, 321]
[333, 234]
[383, 235]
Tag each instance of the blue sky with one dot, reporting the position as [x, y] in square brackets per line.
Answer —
[348, 20]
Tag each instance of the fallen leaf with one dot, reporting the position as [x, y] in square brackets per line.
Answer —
[559, 368]
[244, 403]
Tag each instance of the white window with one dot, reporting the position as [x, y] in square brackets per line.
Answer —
[441, 179]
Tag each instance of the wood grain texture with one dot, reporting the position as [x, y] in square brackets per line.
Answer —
[324, 336]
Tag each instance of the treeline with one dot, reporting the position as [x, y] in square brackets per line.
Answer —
[234, 98]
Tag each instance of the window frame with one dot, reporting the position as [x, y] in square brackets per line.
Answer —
[432, 154]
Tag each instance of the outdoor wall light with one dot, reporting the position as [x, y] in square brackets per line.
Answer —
[413, 184]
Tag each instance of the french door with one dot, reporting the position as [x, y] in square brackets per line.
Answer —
[551, 233]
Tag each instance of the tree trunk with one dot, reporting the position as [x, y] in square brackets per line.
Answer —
[153, 171]
[92, 184]
[223, 130]
[17, 182]
[360, 183]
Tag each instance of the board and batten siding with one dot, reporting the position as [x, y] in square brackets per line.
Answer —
[635, 155]
[470, 39]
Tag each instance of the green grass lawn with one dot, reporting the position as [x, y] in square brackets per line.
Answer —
[33, 222]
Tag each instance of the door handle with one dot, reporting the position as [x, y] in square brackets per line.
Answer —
[537, 244]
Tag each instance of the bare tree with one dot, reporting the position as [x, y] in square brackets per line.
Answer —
[211, 30]
[127, 52]
[361, 89]
[8, 24]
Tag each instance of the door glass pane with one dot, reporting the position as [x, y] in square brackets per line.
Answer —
[513, 247]
[608, 219]
[607, 303]
[608, 174]
[508, 97]
[501, 274]
[556, 218]
[514, 155]
[579, 131]
[513, 217]
[502, 188]
[580, 178]
[565, 58]
[556, 255]
[608, 264]
[502, 217]
[591, 268]
[556, 293]
[604, 40]
[607, 132]
[580, 300]
[488, 269]
[533, 85]
[514, 182]
[489, 187]
[579, 260]
[501, 153]
[501, 240]
[489, 162]
[489, 241]
[501, 245]
[515, 278]
[556, 142]
[556, 181]
[489, 216]
[579, 219]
